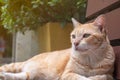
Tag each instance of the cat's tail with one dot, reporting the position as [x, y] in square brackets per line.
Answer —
[13, 67]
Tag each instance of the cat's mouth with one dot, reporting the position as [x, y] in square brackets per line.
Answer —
[80, 49]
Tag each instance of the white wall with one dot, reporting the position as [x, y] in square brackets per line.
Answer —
[26, 45]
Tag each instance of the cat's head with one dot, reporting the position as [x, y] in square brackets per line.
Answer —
[88, 36]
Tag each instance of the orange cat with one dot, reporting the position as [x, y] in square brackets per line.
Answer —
[90, 58]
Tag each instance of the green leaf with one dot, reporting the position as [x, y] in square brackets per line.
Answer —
[3, 1]
[35, 5]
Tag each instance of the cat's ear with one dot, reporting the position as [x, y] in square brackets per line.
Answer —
[75, 23]
[100, 22]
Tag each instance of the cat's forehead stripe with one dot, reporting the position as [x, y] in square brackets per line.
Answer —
[86, 28]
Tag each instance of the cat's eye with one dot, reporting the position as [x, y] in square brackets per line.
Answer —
[86, 35]
[73, 36]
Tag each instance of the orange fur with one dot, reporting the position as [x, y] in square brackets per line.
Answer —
[90, 58]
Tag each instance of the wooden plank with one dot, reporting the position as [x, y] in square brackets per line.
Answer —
[104, 10]
[94, 6]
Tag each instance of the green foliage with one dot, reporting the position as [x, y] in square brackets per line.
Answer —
[20, 15]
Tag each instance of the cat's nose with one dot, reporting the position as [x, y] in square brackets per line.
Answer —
[76, 43]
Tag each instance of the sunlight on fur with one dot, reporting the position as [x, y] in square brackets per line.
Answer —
[90, 57]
